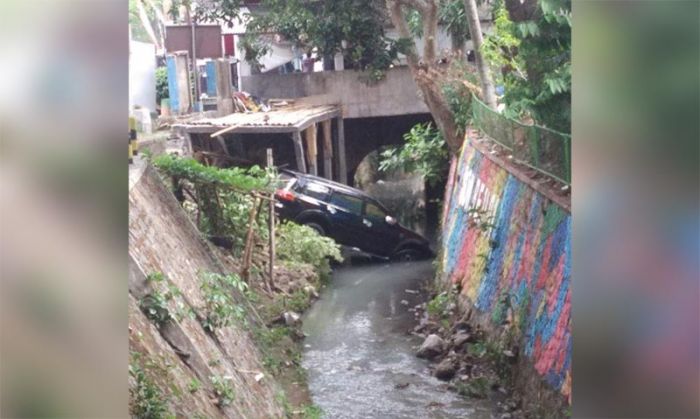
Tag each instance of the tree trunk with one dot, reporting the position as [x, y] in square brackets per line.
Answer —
[420, 70]
[481, 65]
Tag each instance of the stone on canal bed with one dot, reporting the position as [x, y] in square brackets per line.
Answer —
[446, 369]
[431, 347]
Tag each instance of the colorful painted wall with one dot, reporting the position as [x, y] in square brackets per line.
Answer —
[510, 249]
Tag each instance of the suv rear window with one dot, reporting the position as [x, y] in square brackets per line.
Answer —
[347, 202]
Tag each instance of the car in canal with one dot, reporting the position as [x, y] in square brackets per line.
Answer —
[349, 216]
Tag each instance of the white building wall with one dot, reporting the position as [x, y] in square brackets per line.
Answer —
[142, 75]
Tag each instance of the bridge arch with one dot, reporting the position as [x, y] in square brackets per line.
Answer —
[365, 135]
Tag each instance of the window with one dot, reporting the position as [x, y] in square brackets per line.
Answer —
[347, 202]
[316, 190]
[373, 212]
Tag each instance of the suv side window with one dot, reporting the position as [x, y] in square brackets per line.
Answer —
[347, 202]
[374, 213]
[316, 191]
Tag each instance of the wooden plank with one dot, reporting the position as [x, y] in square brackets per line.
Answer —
[311, 149]
[342, 163]
[299, 152]
[327, 150]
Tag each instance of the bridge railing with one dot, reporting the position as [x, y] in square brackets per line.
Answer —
[541, 148]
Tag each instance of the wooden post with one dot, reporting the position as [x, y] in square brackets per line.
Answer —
[299, 152]
[311, 149]
[327, 150]
[249, 242]
[342, 163]
[271, 231]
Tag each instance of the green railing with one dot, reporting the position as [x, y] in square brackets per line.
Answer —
[541, 148]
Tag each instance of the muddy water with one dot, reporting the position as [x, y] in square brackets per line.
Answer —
[359, 357]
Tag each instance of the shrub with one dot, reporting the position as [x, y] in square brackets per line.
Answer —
[302, 244]
[146, 400]
[155, 304]
[223, 390]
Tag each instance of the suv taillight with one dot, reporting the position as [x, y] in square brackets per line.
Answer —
[285, 195]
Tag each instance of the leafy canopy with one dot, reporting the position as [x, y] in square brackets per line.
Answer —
[354, 28]
[532, 57]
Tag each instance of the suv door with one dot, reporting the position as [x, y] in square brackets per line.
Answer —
[382, 237]
[345, 214]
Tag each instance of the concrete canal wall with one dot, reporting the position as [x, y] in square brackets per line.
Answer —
[509, 247]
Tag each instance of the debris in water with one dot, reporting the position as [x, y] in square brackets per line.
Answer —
[401, 386]
[411, 291]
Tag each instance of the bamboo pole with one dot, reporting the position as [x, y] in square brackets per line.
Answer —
[271, 234]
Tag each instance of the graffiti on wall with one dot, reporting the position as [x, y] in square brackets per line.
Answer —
[509, 248]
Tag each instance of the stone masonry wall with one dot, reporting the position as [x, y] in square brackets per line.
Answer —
[163, 239]
[509, 247]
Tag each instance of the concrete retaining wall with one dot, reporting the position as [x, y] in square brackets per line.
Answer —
[516, 271]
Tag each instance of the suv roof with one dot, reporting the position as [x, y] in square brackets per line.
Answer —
[334, 185]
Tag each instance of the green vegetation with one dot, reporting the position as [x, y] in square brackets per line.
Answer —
[242, 180]
[221, 308]
[194, 385]
[156, 304]
[162, 91]
[438, 305]
[424, 152]
[531, 53]
[312, 412]
[223, 390]
[223, 198]
[477, 387]
[146, 401]
[301, 244]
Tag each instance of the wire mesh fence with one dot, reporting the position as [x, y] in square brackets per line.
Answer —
[541, 148]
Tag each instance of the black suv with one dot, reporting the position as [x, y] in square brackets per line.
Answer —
[349, 216]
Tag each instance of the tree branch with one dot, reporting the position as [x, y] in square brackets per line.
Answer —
[398, 19]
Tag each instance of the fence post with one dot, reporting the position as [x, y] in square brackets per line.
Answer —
[271, 218]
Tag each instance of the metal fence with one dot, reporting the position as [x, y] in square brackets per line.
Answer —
[541, 148]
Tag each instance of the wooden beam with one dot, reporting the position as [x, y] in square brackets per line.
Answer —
[299, 151]
[223, 131]
[327, 150]
[312, 149]
[264, 129]
[342, 163]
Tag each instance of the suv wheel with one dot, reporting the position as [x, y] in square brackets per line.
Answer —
[407, 255]
[319, 229]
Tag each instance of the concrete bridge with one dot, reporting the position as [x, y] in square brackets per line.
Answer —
[375, 115]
